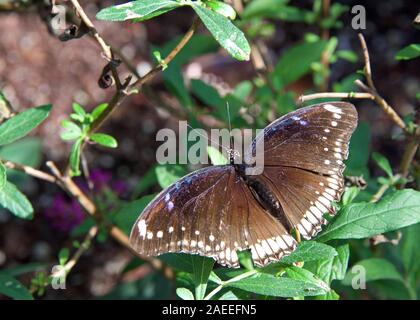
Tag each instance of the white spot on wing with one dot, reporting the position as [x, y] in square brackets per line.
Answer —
[332, 108]
[142, 228]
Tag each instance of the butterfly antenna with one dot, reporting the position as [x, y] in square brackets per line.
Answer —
[230, 124]
[208, 139]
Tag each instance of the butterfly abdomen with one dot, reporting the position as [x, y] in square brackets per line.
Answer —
[265, 197]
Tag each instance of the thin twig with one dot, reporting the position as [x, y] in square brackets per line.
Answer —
[152, 73]
[392, 114]
[69, 186]
[325, 35]
[30, 171]
[370, 88]
[413, 138]
[84, 246]
[86, 20]
[367, 68]
[121, 94]
[339, 95]
[106, 49]
[378, 195]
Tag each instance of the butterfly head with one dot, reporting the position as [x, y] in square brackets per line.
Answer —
[233, 155]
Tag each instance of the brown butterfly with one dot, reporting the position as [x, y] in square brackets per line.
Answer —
[219, 210]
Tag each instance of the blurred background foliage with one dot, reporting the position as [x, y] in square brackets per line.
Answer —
[304, 49]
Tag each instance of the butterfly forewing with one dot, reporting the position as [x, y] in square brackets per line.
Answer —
[303, 161]
[314, 138]
[211, 212]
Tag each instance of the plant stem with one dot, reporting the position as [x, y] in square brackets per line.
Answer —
[378, 195]
[370, 88]
[325, 34]
[339, 95]
[68, 185]
[30, 171]
[84, 246]
[152, 73]
[237, 278]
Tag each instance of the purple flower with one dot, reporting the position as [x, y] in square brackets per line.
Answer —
[64, 214]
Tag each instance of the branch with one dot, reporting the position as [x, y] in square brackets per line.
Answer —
[68, 185]
[86, 20]
[152, 73]
[367, 69]
[413, 143]
[30, 171]
[106, 49]
[340, 95]
[325, 35]
[370, 88]
[84, 246]
[389, 111]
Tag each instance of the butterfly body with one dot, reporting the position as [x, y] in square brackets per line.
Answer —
[219, 210]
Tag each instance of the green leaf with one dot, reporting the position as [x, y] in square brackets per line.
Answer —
[224, 31]
[20, 125]
[294, 272]
[178, 261]
[104, 140]
[79, 109]
[310, 251]
[349, 195]
[98, 111]
[409, 52]
[26, 151]
[63, 256]
[202, 267]
[184, 294]
[383, 163]
[75, 158]
[139, 10]
[297, 61]
[145, 182]
[359, 150]
[376, 269]
[409, 249]
[168, 174]
[12, 288]
[277, 9]
[24, 268]
[222, 8]
[207, 94]
[3, 175]
[129, 212]
[347, 55]
[362, 220]
[15, 201]
[229, 295]
[73, 131]
[216, 157]
[174, 82]
[330, 269]
[198, 45]
[267, 284]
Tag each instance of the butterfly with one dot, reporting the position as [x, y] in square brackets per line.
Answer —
[219, 210]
